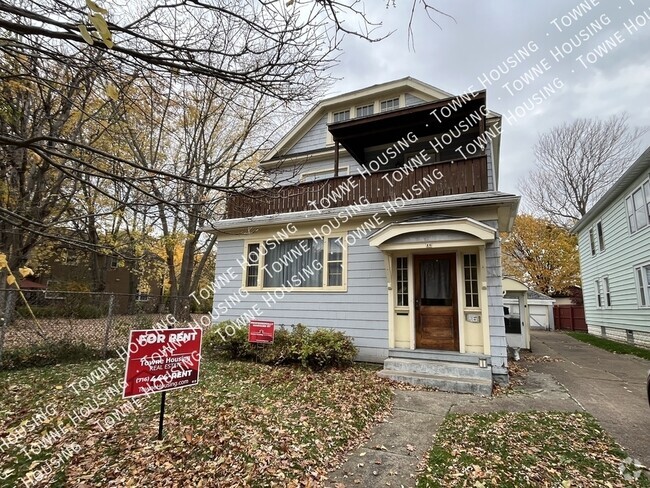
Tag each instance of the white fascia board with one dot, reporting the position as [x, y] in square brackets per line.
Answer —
[421, 204]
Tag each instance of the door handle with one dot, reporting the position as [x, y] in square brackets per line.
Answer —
[417, 303]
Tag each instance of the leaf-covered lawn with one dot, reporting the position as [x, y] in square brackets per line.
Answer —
[245, 424]
[532, 449]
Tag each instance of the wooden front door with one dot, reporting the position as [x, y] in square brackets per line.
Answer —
[436, 313]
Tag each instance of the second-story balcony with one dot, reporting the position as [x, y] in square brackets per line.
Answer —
[415, 152]
[431, 180]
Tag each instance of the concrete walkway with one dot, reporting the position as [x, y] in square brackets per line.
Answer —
[398, 446]
[577, 377]
[611, 387]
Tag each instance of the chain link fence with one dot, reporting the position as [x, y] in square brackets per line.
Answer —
[39, 322]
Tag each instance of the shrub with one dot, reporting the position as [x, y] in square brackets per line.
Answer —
[326, 348]
[46, 354]
[318, 350]
[235, 346]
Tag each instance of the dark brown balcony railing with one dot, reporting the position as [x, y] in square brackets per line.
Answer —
[461, 176]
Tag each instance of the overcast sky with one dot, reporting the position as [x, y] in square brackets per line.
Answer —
[485, 33]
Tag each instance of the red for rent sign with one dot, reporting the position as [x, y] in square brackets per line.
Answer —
[162, 360]
[261, 331]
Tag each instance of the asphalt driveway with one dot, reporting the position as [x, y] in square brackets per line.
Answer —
[611, 387]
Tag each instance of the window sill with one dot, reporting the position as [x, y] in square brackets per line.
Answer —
[288, 289]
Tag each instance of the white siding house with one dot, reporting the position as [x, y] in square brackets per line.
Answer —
[403, 229]
[614, 244]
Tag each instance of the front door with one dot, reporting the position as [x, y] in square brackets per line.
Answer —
[436, 317]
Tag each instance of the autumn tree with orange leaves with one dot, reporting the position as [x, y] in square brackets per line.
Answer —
[541, 254]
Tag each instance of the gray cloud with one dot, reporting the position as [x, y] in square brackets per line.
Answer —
[485, 34]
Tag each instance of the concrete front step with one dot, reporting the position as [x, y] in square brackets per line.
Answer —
[431, 355]
[439, 368]
[453, 384]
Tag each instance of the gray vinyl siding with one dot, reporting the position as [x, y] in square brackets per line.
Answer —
[623, 252]
[291, 174]
[315, 138]
[410, 100]
[498, 345]
[361, 312]
[490, 167]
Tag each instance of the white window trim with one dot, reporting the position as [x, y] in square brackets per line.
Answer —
[603, 288]
[602, 229]
[399, 104]
[353, 110]
[607, 291]
[599, 294]
[321, 289]
[478, 283]
[643, 284]
[592, 241]
[408, 294]
[364, 105]
[627, 215]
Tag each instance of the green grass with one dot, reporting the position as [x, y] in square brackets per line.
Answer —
[611, 346]
[244, 424]
[525, 450]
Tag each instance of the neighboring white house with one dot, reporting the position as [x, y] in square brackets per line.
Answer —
[614, 243]
[384, 224]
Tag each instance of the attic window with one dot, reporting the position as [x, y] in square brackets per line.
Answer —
[341, 116]
[365, 110]
[388, 105]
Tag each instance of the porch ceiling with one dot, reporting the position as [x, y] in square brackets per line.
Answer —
[388, 127]
[468, 227]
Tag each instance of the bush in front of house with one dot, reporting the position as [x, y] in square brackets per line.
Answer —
[325, 348]
[320, 349]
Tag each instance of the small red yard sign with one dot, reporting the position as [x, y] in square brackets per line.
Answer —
[162, 360]
[261, 331]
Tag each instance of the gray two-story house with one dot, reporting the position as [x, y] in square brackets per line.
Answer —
[383, 223]
[614, 243]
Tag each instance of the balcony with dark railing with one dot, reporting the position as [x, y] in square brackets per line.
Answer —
[448, 177]
[402, 134]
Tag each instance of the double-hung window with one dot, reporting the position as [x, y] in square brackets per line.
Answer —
[592, 242]
[365, 110]
[643, 284]
[601, 236]
[606, 292]
[341, 116]
[603, 293]
[306, 263]
[386, 105]
[599, 294]
[637, 205]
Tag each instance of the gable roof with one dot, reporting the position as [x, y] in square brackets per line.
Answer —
[326, 105]
[638, 168]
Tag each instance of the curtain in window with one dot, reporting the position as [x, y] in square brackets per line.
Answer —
[290, 264]
[435, 279]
